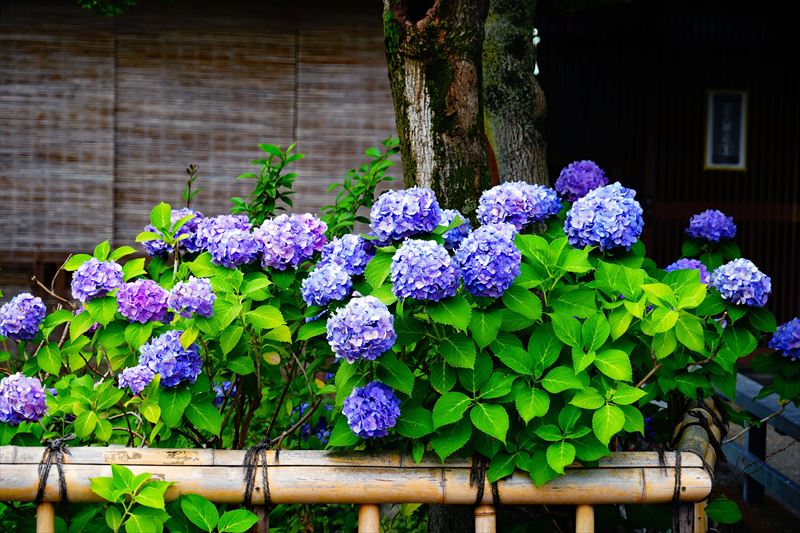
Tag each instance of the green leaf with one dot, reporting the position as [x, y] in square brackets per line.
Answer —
[101, 251]
[513, 321]
[544, 348]
[226, 311]
[595, 331]
[378, 269]
[133, 268]
[492, 419]
[607, 422]
[634, 421]
[531, 403]
[204, 416]
[173, 402]
[312, 329]
[200, 511]
[559, 379]
[442, 376]
[283, 279]
[395, 373]
[151, 411]
[567, 329]
[137, 334]
[690, 296]
[691, 247]
[577, 302]
[659, 321]
[660, 293]
[502, 465]
[85, 423]
[738, 341]
[523, 301]
[103, 487]
[113, 518]
[497, 386]
[723, 511]
[589, 448]
[472, 378]
[265, 317]
[449, 408]
[408, 330]
[576, 261]
[458, 350]
[689, 331]
[615, 364]
[57, 318]
[385, 294]
[161, 216]
[516, 358]
[689, 383]
[188, 336]
[540, 471]
[454, 312]
[560, 455]
[237, 521]
[588, 398]
[762, 319]
[625, 394]
[664, 344]
[102, 310]
[549, 432]
[49, 359]
[279, 334]
[242, 365]
[619, 320]
[121, 252]
[415, 422]
[150, 497]
[229, 338]
[581, 360]
[342, 435]
[103, 430]
[451, 439]
[484, 327]
[617, 279]
[255, 285]
[75, 261]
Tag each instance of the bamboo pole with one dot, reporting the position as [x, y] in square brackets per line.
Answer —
[584, 519]
[700, 517]
[369, 518]
[485, 519]
[45, 518]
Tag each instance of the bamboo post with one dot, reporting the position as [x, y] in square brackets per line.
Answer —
[700, 517]
[45, 518]
[485, 519]
[262, 526]
[369, 518]
[584, 519]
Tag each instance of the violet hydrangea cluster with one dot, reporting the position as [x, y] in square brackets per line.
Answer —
[288, 240]
[691, 264]
[517, 203]
[210, 230]
[194, 295]
[371, 410]
[22, 399]
[165, 356]
[326, 283]
[786, 339]
[362, 329]
[742, 283]
[353, 252]
[423, 270]
[142, 300]
[95, 278]
[21, 317]
[158, 247]
[489, 260]
[234, 248]
[453, 237]
[578, 178]
[711, 225]
[607, 217]
[396, 215]
[136, 378]
[221, 390]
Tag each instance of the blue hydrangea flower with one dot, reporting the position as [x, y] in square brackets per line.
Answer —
[142, 301]
[233, 248]
[194, 295]
[691, 264]
[489, 260]
[288, 240]
[517, 203]
[400, 214]
[326, 283]
[786, 339]
[351, 251]
[158, 247]
[423, 270]
[95, 278]
[453, 237]
[22, 399]
[608, 217]
[136, 378]
[210, 230]
[371, 410]
[711, 225]
[165, 356]
[742, 283]
[21, 318]
[578, 178]
[362, 329]
[221, 390]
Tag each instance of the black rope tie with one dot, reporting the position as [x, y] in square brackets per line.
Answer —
[676, 493]
[252, 457]
[477, 476]
[54, 453]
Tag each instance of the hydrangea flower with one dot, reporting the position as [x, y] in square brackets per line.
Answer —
[489, 260]
[711, 225]
[95, 278]
[786, 339]
[221, 390]
[165, 356]
[142, 301]
[210, 230]
[233, 248]
[321, 430]
[158, 247]
[22, 399]
[351, 251]
[136, 378]
[517, 203]
[288, 240]
[363, 329]
[192, 296]
[21, 318]
[453, 237]
[400, 214]
[371, 410]
[608, 217]
[578, 178]
[691, 264]
[742, 283]
[326, 283]
[423, 270]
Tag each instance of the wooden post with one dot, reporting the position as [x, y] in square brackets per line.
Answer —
[369, 518]
[485, 519]
[262, 526]
[584, 519]
[683, 518]
[756, 443]
[45, 518]
[700, 517]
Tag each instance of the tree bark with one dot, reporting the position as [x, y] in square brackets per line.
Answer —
[433, 50]
[514, 101]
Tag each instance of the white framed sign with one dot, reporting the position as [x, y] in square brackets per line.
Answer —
[726, 130]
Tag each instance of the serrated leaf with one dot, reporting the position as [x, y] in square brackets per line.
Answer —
[173, 403]
[595, 331]
[265, 317]
[615, 364]
[484, 327]
[567, 329]
[200, 511]
[588, 398]
[544, 347]
[581, 360]
[150, 497]
[659, 321]
[113, 518]
[619, 320]
[342, 435]
[237, 521]
[472, 378]
[689, 331]
[242, 365]
[137, 334]
[458, 350]
[560, 455]
[75, 261]
[103, 487]
[762, 319]
[690, 296]
[415, 423]
[664, 344]
[531, 403]
[85, 424]
[161, 216]
[204, 416]
[188, 336]
[502, 465]
[559, 379]
[451, 439]
[497, 386]
[625, 394]
[255, 285]
[515, 358]
[49, 359]
[378, 269]
[151, 411]
[454, 312]
[442, 376]
[226, 311]
[121, 252]
[450, 408]
[634, 421]
[492, 419]
[549, 432]
[103, 309]
[133, 268]
[523, 301]
[229, 338]
[395, 373]
[312, 329]
[607, 422]
[580, 303]
[576, 261]
[101, 251]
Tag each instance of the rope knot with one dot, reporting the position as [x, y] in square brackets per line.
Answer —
[54, 452]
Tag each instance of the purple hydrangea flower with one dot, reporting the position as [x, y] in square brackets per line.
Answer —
[517, 203]
[158, 247]
[711, 225]
[288, 240]
[453, 237]
[742, 283]
[351, 251]
[400, 214]
[489, 260]
[371, 410]
[326, 283]
[210, 230]
[22, 399]
[136, 378]
[95, 278]
[423, 270]
[607, 217]
[691, 264]
[165, 356]
[21, 318]
[221, 390]
[233, 248]
[192, 296]
[363, 329]
[578, 178]
[786, 339]
[142, 301]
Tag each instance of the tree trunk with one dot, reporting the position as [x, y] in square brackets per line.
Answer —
[433, 50]
[514, 101]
